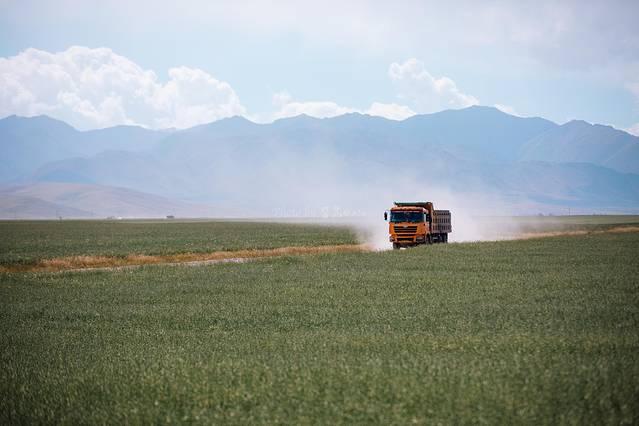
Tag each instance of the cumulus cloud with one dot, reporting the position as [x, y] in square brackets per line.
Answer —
[507, 109]
[391, 111]
[633, 130]
[286, 106]
[94, 88]
[427, 93]
[91, 88]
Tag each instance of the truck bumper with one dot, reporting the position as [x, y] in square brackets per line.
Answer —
[408, 240]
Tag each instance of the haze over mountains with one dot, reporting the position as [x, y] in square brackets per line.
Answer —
[305, 166]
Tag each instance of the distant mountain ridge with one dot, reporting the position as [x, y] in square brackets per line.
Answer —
[48, 200]
[578, 141]
[344, 160]
[29, 143]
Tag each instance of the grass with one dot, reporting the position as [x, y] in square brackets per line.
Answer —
[574, 223]
[527, 226]
[75, 263]
[541, 331]
[28, 242]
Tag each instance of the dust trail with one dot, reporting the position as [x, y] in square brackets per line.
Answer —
[471, 228]
[469, 211]
[373, 234]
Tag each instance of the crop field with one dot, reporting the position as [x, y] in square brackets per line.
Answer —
[25, 242]
[535, 331]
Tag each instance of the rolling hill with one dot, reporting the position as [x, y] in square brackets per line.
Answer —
[49, 200]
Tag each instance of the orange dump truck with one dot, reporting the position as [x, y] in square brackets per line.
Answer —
[413, 223]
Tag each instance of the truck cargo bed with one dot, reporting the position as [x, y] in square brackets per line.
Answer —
[441, 222]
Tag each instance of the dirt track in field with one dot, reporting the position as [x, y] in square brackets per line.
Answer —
[114, 263]
[110, 263]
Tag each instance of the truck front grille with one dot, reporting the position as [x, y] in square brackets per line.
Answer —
[405, 231]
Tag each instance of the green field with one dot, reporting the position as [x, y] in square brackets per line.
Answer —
[577, 220]
[541, 331]
[26, 242]
[507, 227]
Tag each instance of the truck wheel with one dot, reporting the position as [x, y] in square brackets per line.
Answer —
[445, 238]
[395, 246]
[429, 239]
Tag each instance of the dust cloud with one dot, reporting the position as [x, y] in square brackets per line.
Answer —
[315, 183]
[475, 216]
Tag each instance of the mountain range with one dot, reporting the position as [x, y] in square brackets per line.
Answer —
[308, 166]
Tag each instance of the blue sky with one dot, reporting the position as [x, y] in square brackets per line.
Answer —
[176, 64]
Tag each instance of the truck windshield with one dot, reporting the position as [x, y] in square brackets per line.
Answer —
[407, 217]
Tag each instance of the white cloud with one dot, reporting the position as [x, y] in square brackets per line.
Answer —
[427, 93]
[391, 111]
[287, 107]
[318, 109]
[91, 88]
[507, 109]
[633, 130]
[599, 40]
